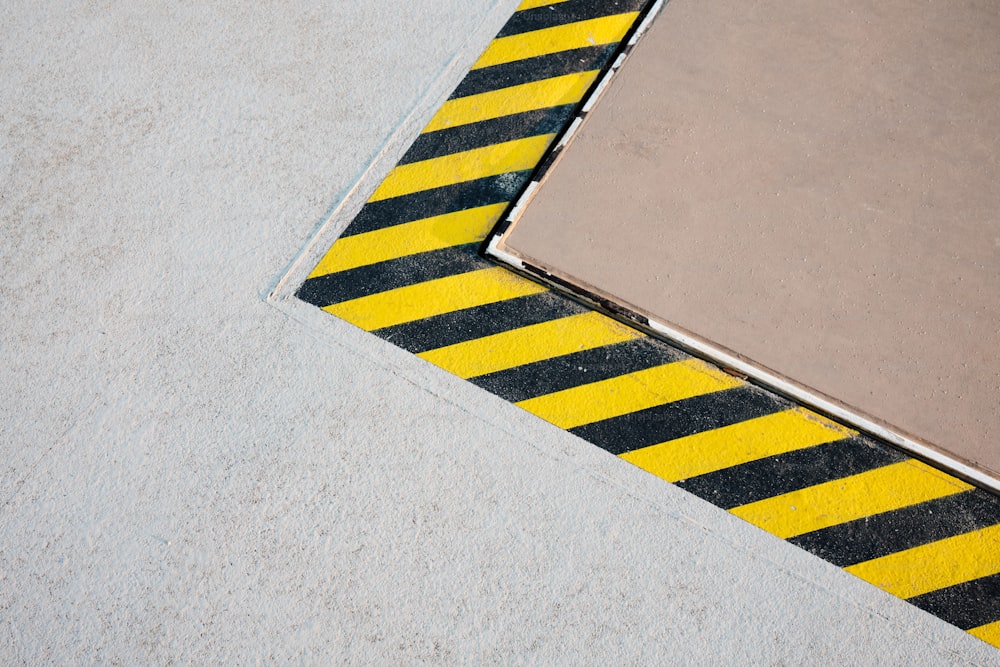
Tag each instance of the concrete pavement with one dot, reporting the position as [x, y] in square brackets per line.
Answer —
[194, 474]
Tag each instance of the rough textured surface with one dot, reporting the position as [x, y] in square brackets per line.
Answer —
[191, 474]
[815, 188]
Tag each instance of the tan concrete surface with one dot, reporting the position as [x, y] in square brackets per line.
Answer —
[812, 185]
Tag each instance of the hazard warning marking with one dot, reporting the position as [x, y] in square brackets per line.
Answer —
[408, 270]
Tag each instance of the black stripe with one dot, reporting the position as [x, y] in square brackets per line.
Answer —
[876, 536]
[515, 73]
[680, 418]
[438, 201]
[383, 276]
[488, 132]
[573, 370]
[790, 471]
[572, 11]
[471, 323]
[967, 605]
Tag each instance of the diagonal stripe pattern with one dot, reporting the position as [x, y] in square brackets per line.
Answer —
[407, 270]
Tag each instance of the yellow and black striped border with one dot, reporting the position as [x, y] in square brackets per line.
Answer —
[408, 270]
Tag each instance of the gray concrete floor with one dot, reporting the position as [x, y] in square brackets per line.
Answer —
[192, 473]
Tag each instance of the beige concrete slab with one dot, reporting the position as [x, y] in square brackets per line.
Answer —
[812, 185]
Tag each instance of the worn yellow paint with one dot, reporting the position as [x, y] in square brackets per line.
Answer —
[529, 344]
[492, 160]
[592, 32]
[566, 89]
[989, 633]
[531, 4]
[441, 231]
[434, 297]
[739, 443]
[936, 565]
[628, 393]
[839, 501]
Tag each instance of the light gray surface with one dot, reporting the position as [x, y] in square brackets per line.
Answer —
[192, 474]
[815, 187]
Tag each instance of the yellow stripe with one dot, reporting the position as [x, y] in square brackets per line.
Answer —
[434, 297]
[831, 503]
[628, 393]
[528, 344]
[604, 30]
[531, 4]
[491, 160]
[936, 565]
[989, 633]
[566, 89]
[735, 444]
[442, 231]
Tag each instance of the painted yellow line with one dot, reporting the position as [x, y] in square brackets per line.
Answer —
[529, 344]
[434, 297]
[442, 231]
[989, 633]
[531, 4]
[493, 160]
[936, 565]
[592, 32]
[735, 444]
[839, 501]
[566, 89]
[628, 393]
